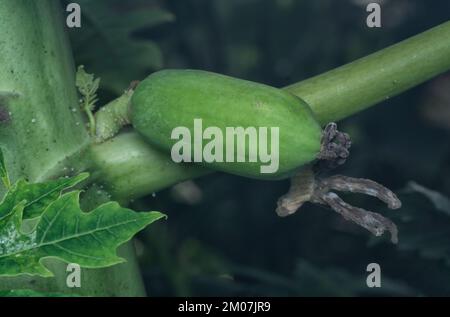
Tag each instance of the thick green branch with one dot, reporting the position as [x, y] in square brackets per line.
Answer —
[353, 87]
[128, 167]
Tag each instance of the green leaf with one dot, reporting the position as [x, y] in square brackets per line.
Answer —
[65, 232]
[3, 172]
[86, 83]
[36, 196]
[32, 293]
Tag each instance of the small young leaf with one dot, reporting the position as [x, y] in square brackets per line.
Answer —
[94, 86]
[86, 84]
[110, 32]
[36, 196]
[65, 232]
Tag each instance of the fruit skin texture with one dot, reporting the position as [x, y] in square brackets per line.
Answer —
[172, 98]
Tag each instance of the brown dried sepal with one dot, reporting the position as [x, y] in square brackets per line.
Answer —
[307, 186]
[301, 191]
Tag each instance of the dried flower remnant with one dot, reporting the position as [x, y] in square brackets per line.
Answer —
[306, 186]
[335, 147]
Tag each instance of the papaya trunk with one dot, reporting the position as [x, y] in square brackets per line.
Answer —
[42, 133]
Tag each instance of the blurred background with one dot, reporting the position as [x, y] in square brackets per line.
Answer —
[222, 236]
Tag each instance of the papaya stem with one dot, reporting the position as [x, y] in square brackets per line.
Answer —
[351, 88]
[90, 117]
[112, 117]
[42, 135]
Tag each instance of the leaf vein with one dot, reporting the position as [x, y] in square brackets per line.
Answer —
[77, 253]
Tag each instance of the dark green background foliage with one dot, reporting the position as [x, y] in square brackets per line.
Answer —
[222, 236]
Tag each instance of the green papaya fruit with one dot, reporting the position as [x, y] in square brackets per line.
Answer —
[228, 124]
